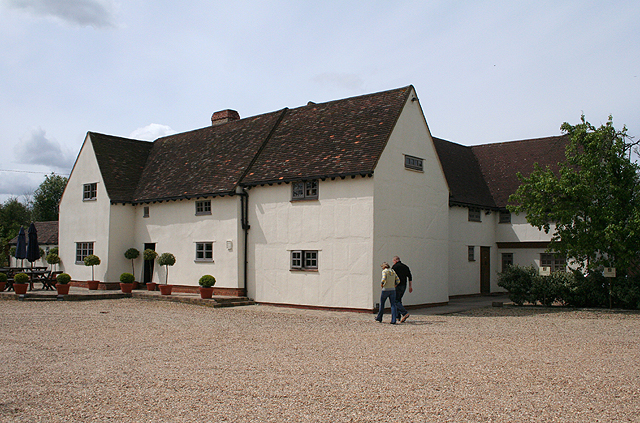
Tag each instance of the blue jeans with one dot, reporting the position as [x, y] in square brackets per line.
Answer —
[399, 293]
[391, 295]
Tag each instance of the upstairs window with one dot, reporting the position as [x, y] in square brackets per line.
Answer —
[505, 216]
[474, 215]
[89, 191]
[305, 190]
[304, 260]
[413, 163]
[203, 207]
[145, 211]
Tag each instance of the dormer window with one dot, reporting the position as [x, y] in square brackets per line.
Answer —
[305, 190]
[90, 191]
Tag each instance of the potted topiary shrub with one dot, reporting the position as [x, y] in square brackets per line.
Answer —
[132, 254]
[3, 281]
[166, 259]
[62, 283]
[52, 258]
[150, 255]
[126, 282]
[92, 260]
[206, 286]
[20, 283]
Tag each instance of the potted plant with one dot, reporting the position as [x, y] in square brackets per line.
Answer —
[92, 260]
[62, 283]
[20, 283]
[52, 258]
[206, 286]
[132, 254]
[126, 282]
[3, 281]
[150, 255]
[166, 259]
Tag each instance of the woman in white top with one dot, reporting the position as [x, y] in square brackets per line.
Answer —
[388, 283]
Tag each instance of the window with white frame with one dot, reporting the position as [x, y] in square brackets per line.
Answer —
[304, 260]
[413, 163]
[83, 249]
[90, 191]
[474, 215]
[304, 190]
[203, 207]
[505, 216]
[204, 251]
[556, 263]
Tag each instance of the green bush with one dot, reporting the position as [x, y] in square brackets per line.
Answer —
[518, 281]
[127, 278]
[149, 254]
[21, 278]
[52, 258]
[3, 277]
[207, 281]
[91, 260]
[54, 250]
[167, 259]
[549, 289]
[63, 278]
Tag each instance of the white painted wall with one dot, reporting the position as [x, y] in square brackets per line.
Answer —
[339, 225]
[84, 221]
[520, 230]
[174, 227]
[411, 217]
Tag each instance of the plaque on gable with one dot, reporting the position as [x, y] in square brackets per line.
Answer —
[609, 272]
[545, 271]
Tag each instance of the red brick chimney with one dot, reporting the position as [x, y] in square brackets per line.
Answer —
[224, 116]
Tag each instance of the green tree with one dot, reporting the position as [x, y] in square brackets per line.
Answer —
[594, 199]
[13, 214]
[47, 196]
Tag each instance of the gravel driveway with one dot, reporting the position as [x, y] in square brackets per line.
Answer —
[139, 361]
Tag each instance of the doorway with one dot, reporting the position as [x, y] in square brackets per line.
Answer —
[485, 270]
[148, 264]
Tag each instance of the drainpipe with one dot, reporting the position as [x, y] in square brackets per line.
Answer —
[244, 222]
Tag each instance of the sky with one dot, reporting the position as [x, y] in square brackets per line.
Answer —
[485, 71]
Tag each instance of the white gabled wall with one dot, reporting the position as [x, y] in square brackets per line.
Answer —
[411, 216]
[84, 221]
[339, 225]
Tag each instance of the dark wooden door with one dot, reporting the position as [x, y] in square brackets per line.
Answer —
[485, 270]
[148, 264]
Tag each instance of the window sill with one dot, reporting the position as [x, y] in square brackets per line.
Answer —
[203, 261]
[90, 199]
[303, 270]
[203, 214]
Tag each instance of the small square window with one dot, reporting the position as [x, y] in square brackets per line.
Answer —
[556, 263]
[474, 215]
[472, 253]
[304, 190]
[304, 260]
[145, 211]
[89, 191]
[83, 249]
[413, 163]
[204, 251]
[203, 207]
[505, 216]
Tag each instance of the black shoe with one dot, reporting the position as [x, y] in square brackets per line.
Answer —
[379, 321]
[393, 323]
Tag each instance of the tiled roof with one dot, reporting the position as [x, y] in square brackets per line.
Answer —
[500, 162]
[338, 138]
[205, 162]
[47, 233]
[333, 139]
[486, 175]
[461, 169]
[121, 162]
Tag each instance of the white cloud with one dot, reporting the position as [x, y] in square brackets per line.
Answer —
[152, 132]
[36, 149]
[95, 13]
[17, 184]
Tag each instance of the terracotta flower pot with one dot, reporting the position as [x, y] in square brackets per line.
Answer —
[165, 289]
[151, 286]
[206, 293]
[63, 288]
[20, 288]
[3, 285]
[126, 287]
[93, 285]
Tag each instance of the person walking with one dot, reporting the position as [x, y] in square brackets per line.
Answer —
[404, 274]
[388, 283]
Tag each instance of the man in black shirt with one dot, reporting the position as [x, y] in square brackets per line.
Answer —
[404, 273]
